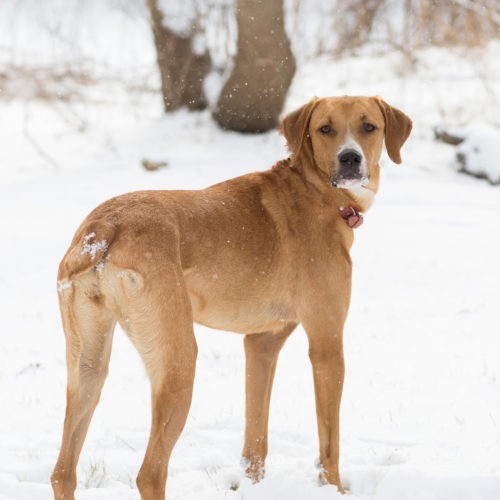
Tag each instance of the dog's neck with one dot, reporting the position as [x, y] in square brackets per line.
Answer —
[362, 195]
[359, 196]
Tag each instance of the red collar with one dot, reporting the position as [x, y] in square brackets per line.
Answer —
[352, 216]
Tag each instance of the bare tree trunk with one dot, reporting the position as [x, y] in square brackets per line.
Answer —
[182, 71]
[254, 94]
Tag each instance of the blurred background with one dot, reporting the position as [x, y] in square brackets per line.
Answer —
[101, 97]
[246, 61]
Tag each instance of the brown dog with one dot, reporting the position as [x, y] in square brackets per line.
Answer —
[255, 255]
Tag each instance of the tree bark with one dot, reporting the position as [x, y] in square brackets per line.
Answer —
[253, 97]
[182, 70]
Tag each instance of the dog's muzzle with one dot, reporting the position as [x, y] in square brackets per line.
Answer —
[351, 170]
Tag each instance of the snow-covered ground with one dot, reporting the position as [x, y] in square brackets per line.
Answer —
[421, 407]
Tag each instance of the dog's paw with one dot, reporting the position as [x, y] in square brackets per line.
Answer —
[254, 470]
[326, 477]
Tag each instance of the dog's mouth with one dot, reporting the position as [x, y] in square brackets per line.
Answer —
[350, 181]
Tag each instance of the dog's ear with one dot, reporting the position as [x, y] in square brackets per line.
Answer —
[295, 126]
[397, 129]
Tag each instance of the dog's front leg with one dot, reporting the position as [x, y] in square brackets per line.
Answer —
[261, 353]
[327, 358]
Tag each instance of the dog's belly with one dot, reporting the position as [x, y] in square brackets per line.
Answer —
[240, 320]
[243, 312]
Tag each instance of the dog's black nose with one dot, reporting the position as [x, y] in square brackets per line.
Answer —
[350, 158]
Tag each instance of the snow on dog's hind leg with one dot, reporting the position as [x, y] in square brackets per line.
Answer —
[88, 328]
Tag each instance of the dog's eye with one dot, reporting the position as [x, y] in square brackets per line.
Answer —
[368, 127]
[325, 129]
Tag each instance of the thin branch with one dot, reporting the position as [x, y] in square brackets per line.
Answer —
[48, 158]
[482, 10]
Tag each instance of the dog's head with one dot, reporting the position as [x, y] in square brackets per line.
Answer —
[342, 137]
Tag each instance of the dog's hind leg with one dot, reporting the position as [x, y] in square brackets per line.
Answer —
[261, 353]
[88, 328]
[158, 320]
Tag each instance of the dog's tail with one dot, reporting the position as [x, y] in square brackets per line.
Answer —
[89, 248]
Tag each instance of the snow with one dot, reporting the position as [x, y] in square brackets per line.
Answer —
[67, 31]
[479, 153]
[63, 285]
[94, 247]
[420, 417]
